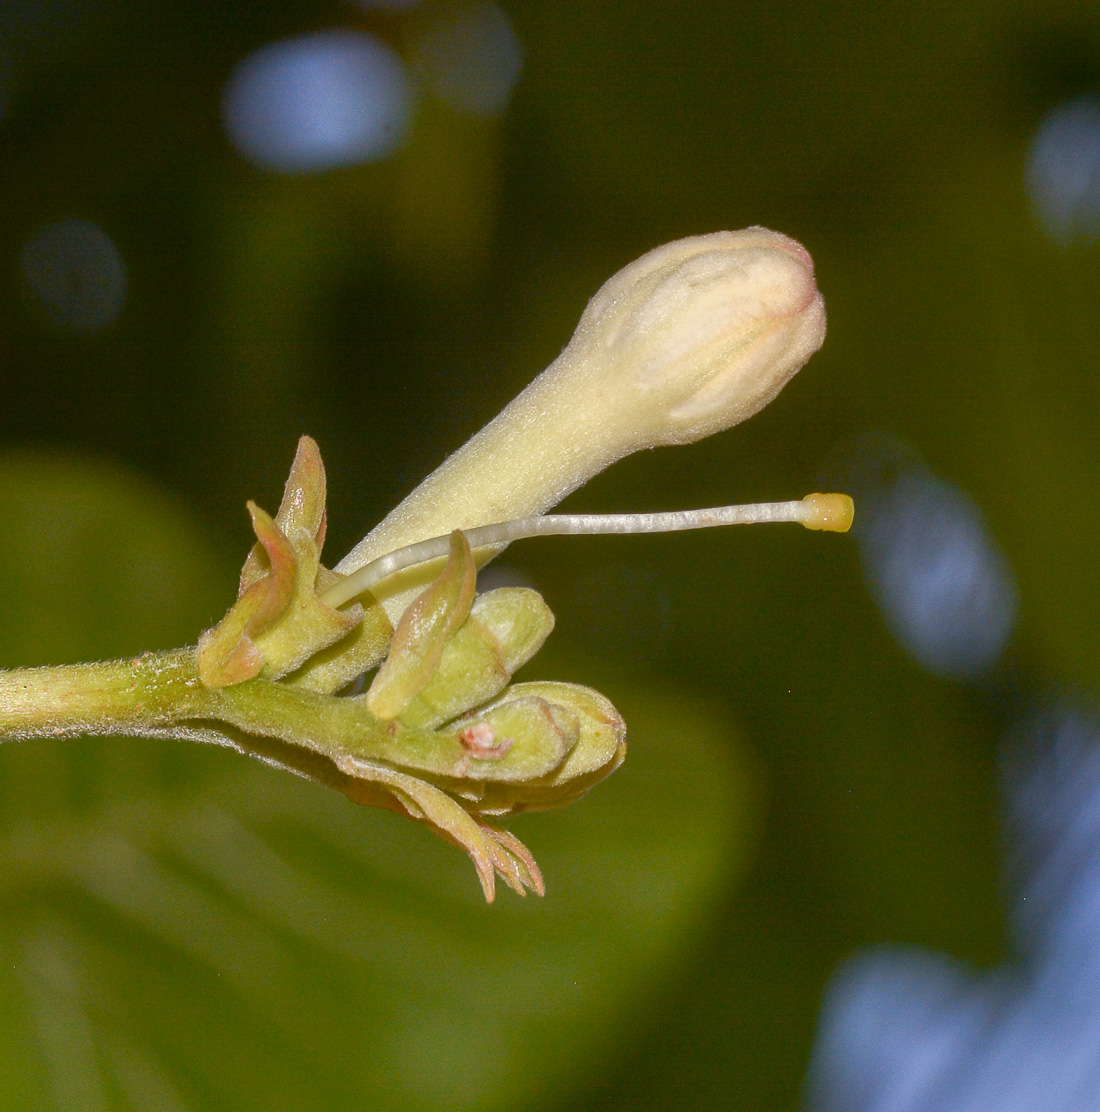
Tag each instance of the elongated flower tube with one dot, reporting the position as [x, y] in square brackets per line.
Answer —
[690, 339]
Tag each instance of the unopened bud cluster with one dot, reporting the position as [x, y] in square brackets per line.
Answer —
[439, 730]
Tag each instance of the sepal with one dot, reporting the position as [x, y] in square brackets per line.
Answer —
[426, 626]
[278, 621]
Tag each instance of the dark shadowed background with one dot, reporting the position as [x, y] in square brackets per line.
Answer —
[224, 225]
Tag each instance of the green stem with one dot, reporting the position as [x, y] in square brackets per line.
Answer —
[111, 697]
[333, 726]
[161, 693]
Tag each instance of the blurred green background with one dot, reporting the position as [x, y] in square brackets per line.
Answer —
[185, 930]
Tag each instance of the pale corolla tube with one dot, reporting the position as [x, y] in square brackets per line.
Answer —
[686, 341]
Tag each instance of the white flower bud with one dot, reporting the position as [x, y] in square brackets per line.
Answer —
[697, 335]
[690, 339]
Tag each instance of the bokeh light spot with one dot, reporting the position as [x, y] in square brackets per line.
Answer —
[471, 58]
[942, 584]
[908, 1031]
[1063, 171]
[75, 274]
[317, 102]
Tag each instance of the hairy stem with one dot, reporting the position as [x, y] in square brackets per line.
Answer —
[161, 694]
[111, 697]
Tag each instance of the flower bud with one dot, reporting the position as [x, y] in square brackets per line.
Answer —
[698, 335]
[599, 749]
[688, 340]
[519, 737]
[506, 627]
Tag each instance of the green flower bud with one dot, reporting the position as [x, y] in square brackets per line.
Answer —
[599, 749]
[519, 737]
[506, 627]
[517, 620]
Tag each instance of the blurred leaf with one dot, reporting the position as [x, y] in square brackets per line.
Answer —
[96, 563]
[184, 929]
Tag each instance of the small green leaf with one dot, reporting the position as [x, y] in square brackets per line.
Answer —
[97, 563]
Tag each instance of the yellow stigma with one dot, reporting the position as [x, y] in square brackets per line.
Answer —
[831, 512]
